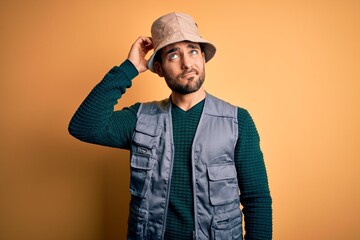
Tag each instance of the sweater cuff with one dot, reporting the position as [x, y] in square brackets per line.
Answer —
[129, 69]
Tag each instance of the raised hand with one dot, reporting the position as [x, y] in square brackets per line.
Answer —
[138, 51]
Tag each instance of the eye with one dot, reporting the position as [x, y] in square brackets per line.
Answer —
[173, 56]
[194, 52]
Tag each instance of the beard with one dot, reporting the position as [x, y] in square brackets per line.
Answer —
[191, 85]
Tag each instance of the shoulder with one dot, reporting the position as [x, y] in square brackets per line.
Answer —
[154, 107]
[242, 114]
[247, 125]
[219, 107]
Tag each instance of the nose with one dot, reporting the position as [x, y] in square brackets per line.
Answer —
[186, 62]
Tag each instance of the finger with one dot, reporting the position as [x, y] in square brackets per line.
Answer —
[149, 47]
[146, 40]
[146, 44]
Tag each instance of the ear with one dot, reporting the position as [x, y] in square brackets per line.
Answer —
[158, 69]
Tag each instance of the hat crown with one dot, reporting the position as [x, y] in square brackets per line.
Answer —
[171, 27]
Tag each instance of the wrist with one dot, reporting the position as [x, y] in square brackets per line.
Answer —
[129, 68]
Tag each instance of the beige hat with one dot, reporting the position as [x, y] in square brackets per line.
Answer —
[176, 27]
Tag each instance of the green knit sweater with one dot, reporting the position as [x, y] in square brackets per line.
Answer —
[96, 122]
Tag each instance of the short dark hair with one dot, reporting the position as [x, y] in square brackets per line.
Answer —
[157, 57]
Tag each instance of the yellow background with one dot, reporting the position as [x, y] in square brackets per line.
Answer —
[295, 65]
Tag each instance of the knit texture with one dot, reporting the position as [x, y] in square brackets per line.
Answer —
[253, 183]
[96, 122]
[180, 220]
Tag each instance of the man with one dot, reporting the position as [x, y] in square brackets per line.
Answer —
[191, 154]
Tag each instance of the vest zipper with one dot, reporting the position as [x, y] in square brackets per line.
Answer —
[193, 149]
[194, 194]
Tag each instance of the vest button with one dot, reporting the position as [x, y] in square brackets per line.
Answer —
[142, 150]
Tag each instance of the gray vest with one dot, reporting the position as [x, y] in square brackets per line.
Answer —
[217, 212]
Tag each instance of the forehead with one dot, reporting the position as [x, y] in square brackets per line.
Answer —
[186, 44]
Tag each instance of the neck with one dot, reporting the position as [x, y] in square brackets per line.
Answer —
[187, 101]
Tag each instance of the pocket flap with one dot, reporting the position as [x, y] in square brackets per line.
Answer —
[141, 162]
[148, 129]
[221, 172]
[228, 219]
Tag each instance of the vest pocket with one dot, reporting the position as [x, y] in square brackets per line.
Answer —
[227, 226]
[223, 186]
[140, 174]
[137, 224]
[146, 135]
[143, 148]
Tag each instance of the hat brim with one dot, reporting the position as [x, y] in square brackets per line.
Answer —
[209, 50]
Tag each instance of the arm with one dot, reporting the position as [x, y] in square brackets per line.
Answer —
[95, 121]
[253, 182]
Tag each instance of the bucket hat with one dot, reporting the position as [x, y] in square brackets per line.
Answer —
[177, 27]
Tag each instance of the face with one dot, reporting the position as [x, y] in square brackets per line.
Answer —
[183, 67]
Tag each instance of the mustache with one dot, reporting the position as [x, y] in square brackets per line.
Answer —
[191, 70]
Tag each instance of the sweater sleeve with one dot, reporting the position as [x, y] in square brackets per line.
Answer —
[253, 182]
[95, 121]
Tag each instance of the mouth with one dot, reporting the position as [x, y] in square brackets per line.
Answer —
[188, 73]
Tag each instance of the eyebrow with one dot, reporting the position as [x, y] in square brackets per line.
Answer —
[174, 49]
[171, 50]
